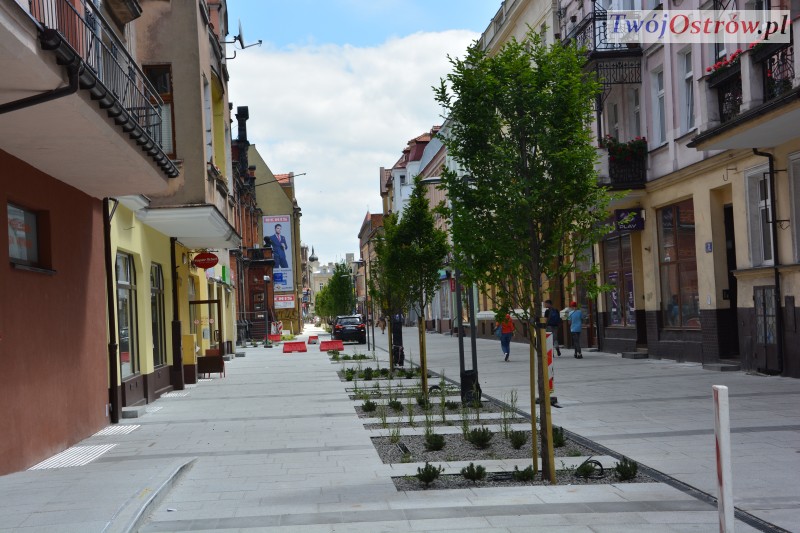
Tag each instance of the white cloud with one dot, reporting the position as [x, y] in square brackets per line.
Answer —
[339, 113]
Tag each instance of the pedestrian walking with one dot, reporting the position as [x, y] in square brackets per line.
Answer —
[506, 332]
[553, 323]
[575, 325]
[382, 324]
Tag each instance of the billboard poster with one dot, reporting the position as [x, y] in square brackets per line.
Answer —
[284, 301]
[278, 235]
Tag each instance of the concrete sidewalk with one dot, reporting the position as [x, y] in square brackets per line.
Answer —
[276, 446]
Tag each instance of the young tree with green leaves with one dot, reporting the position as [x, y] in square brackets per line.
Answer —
[527, 205]
[380, 288]
[416, 252]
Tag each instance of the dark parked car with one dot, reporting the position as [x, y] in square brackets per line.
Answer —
[350, 328]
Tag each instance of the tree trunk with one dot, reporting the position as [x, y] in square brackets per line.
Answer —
[423, 358]
[532, 358]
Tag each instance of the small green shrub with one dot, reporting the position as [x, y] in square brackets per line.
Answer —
[434, 442]
[423, 402]
[480, 437]
[429, 473]
[334, 356]
[574, 453]
[368, 374]
[349, 374]
[395, 405]
[523, 475]
[346, 357]
[518, 439]
[587, 469]
[626, 469]
[451, 405]
[369, 406]
[559, 440]
[406, 458]
[473, 473]
[384, 372]
[409, 374]
[394, 435]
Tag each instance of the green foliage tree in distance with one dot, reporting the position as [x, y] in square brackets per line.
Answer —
[337, 296]
[416, 250]
[380, 288]
[527, 205]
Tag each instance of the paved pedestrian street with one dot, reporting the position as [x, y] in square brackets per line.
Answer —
[276, 446]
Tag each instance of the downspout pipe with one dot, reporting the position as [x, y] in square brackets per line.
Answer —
[73, 71]
[111, 310]
[176, 371]
[776, 256]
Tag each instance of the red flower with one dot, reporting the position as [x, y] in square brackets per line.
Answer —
[708, 69]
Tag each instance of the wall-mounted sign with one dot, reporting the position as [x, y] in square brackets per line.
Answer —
[284, 301]
[629, 219]
[205, 260]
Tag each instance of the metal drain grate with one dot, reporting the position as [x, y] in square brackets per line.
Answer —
[75, 456]
[153, 409]
[117, 430]
[176, 394]
[205, 379]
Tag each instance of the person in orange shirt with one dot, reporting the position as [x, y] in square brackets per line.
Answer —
[506, 332]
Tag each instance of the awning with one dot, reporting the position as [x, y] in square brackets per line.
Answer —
[195, 226]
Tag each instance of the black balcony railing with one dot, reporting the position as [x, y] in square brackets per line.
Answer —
[777, 72]
[592, 33]
[729, 95]
[91, 39]
[627, 172]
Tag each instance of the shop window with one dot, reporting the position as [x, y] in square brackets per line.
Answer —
[126, 316]
[618, 266]
[193, 320]
[680, 305]
[157, 315]
[26, 245]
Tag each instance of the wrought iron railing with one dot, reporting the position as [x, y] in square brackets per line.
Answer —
[92, 38]
[627, 172]
[777, 72]
[729, 95]
[592, 33]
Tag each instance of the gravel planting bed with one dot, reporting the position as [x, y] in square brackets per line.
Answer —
[563, 477]
[458, 449]
[419, 412]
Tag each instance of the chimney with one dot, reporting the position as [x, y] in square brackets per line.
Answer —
[242, 114]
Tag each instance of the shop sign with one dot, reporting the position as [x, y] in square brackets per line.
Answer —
[629, 219]
[205, 260]
[284, 301]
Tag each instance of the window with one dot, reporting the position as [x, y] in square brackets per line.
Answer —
[680, 305]
[794, 176]
[126, 316]
[23, 236]
[636, 115]
[760, 215]
[157, 315]
[620, 300]
[160, 77]
[660, 125]
[615, 120]
[764, 299]
[209, 135]
[687, 92]
[192, 309]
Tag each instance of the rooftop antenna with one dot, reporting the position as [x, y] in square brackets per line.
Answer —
[240, 39]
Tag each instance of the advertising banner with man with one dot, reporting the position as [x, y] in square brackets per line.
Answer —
[278, 235]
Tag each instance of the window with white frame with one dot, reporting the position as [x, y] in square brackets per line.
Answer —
[687, 92]
[794, 190]
[209, 153]
[636, 113]
[759, 212]
[659, 104]
[615, 120]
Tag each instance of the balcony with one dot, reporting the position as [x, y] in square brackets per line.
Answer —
[728, 84]
[102, 134]
[621, 173]
[592, 34]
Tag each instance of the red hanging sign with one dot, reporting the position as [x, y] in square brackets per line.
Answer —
[205, 260]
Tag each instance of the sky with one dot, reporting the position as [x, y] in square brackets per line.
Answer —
[336, 90]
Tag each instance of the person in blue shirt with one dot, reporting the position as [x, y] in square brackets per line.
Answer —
[575, 325]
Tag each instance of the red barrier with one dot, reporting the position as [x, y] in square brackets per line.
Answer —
[274, 338]
[295, 346]
[324, 346]
[313, 339]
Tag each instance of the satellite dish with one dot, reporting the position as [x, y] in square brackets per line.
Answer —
[240, 37]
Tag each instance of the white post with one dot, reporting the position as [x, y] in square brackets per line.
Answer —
[722, 434]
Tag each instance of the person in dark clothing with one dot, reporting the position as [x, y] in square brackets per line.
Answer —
[553, 323]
